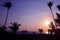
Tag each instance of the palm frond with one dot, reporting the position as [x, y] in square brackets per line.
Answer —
[7, 4]
[58, 7]
[50, 4]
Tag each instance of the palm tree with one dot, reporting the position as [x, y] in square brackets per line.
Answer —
[15, 27]
[49, 31]
[58, 16]
[41, 31]
[58, 7]
[58, 19]
[8, 6]
[52, 28]
[50, 6]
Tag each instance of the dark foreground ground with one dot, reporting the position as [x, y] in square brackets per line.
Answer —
[29, 37]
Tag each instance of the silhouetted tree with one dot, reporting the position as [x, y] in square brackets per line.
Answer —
[3, 30]
[40, 30]
[58, 16]
[50, 6]
[8, 6]
[52, 27]
[58, 19]
[49, 31]
[15, 27]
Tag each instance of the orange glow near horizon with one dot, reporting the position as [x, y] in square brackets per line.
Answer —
[42, 23]
[47, 23]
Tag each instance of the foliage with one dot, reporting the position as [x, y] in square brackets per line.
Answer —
[40, 30]
[7, 4]
[58, 7]
[15, 26]
[50, 4]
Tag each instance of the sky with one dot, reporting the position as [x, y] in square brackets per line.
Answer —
[31, 14]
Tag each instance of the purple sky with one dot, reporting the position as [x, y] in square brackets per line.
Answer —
[31, 14]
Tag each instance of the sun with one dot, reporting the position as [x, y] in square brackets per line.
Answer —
[47, 23]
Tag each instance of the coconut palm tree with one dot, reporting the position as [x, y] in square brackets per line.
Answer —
[15, 27]
[8, 6]
[50, 6]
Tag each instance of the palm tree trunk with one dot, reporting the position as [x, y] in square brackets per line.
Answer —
[6, 17]
[53, 18]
